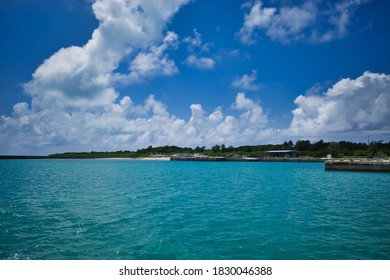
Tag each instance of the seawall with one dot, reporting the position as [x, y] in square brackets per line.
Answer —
[245, 159]
[358, 165]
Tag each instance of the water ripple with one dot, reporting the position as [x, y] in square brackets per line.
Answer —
[88, 209]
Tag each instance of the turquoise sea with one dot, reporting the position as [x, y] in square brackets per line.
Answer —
[132, 209]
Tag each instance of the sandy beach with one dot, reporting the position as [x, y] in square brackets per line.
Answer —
[153, 158]
[140, 158]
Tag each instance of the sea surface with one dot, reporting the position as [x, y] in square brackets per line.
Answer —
[132, 209]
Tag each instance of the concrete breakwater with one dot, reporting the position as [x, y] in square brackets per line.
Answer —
[244, 159]
[372, 165]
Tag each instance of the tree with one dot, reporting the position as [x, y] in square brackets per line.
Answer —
[333, 148]
[216, 148]
[374, 148]
[230, 149]
[200, 149]
[302, 145]
[320, 145]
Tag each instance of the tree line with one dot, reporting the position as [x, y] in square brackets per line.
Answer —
[303, 148]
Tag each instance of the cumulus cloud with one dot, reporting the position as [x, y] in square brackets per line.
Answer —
[193, 41]
[155, 62]
[349, 107]
[82, 76]
[125, 125]
[247, 82]
[313, 21]
[76, 87]
[205, 63]
[230, 129]
[198, 49]
[75, 106]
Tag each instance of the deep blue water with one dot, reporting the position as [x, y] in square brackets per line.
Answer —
[129, 209]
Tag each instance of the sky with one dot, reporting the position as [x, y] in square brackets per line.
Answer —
[108, 75]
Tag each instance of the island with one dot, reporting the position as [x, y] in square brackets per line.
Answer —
[342, 155]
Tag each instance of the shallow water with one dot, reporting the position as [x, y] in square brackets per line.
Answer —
[110, 209]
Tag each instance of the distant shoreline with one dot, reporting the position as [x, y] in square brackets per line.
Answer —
[275, 159]
[302, 150]
[248, 159]
[22, 157]
[97, 158]
[140, 158]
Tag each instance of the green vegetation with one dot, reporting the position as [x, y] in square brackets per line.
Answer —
[149, 151]
[304, 148]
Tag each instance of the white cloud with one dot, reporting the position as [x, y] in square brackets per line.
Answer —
[195, 41]
[230, 129]
[82, 76]
[75, 106]
[314, 21]
[205, 63]
[257, 18]
[349, 107]
[155, 62]
[125, 125]
[198, 49]
[247, 82]
[347, 110]
[254, 112]
[73, 91]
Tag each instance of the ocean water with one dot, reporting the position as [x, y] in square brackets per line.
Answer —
[130, 209]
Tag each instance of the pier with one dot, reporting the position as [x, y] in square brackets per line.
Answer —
[371, 165]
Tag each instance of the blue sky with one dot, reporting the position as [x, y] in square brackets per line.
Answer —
[81, 75]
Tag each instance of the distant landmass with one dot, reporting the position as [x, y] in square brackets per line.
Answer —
[302, 148]
[21, 157]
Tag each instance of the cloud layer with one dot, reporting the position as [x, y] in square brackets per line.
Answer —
[84, 76]
[247, 82]
[198, 58]
[349, 106]
[125, 125]
[75, 105]
[312, 21]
